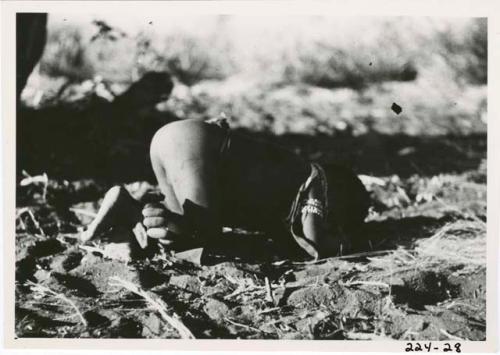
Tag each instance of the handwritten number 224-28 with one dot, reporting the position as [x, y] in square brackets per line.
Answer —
[447, 347]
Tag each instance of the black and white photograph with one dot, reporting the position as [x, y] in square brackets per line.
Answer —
[243, 176]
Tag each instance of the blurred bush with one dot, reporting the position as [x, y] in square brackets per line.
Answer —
[466, 52]
[277, 74]
[400, 49]
[321, 52]
[326, 66]
[353, 61]
[79, 54]
[193, 59]
[65, 54]
[189, 58]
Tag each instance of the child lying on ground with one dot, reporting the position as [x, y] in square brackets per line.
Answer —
[212, 177]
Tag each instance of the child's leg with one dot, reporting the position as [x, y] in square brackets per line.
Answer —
[185, 156]
[195, 184]
[118, 208]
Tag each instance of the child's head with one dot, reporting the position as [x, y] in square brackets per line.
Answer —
[348, 200]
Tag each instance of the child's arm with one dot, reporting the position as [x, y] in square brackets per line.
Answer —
[314, 225]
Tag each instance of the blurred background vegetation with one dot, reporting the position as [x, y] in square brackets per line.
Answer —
[294, 74]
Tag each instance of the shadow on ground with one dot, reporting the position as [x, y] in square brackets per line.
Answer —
[111, 143]
[374, 236]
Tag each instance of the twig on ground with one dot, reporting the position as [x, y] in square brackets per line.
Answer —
[397, 271]
[451, 336]
[269, 291]
[47, 291]
[459, 304]
[243, 325]
[69, 236]
[368, 283]
[406, 252]
[33, 180]
[345, 257]
[269, 310]
[231, 279]
[83, 212]
[23, 225]
[365, 336]
[238, 292]
[243, 287]
[32, 217]
[158, 304]
[91, 249]
[368, 180]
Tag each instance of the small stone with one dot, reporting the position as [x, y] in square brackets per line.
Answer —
[151, 326]
[100, 271]
[57, 263]
[186, 282]
[72, 261]
[308, 323]
[215, 309]
[396, 281]
[118, 251]
[42, 275]
[312, 296]
[293, 336]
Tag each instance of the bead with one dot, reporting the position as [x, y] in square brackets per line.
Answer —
[314, 202]
[312, 209]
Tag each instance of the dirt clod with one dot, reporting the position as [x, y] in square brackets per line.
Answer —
[312, 296]
[152, 326]
[95, 319]
[72, 261]
[81, 286]
[216, 310]
[186, 282]
[46, 248]
[128, 328]
[422, 289]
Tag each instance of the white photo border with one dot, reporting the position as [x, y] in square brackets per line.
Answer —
[443, 8]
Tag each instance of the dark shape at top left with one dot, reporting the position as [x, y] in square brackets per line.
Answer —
[31, 36]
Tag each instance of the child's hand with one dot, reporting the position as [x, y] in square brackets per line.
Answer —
[155, 221]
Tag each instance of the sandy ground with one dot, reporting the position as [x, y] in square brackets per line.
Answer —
[419, 275]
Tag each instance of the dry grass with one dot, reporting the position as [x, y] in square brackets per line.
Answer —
[44, 291]
[461, 243]
[457, 243]
[158, 304]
